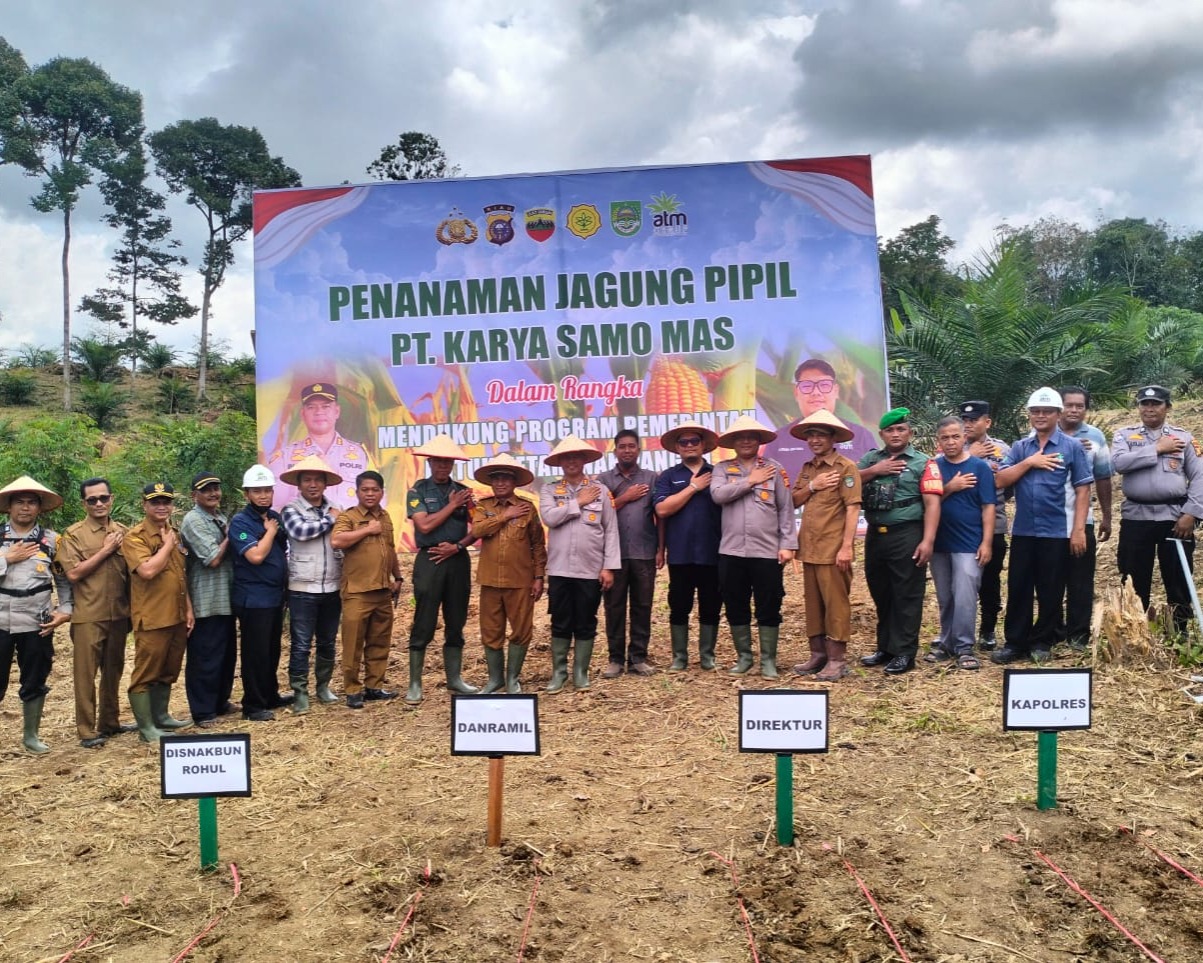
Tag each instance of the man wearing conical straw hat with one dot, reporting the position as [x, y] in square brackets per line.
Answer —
[828, 489]
[692, 530]
[441, 511]
[582, 554]
[513, 561]
[759, 538]
[28, 579]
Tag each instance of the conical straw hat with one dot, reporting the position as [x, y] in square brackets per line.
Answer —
[822, 419]
[312, 463]
[571, 445]
[50, 500]
[668, 440]
[506, 461]
[742, 424]
[441, 446]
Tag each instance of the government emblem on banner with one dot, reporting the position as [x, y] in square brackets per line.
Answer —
[626, 217]
[540, 223]
[456, 229]
[584, 220]
[499, 228]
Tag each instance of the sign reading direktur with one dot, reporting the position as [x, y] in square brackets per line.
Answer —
[783, 721]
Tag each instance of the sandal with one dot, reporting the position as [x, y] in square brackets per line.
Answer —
[937, 655]
[968, 661]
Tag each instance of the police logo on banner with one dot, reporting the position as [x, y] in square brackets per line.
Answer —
[499, 228]
[626, 217]
[456, 229]
[540, 223]
[584, 220]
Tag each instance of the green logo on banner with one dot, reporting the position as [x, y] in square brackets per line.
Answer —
[626, 217]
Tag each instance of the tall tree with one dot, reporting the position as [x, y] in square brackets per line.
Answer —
[1140, 256]
[217, 168]
[1058, 252]
[914, 263]
[64, 122]
[415, 156]
[144, 279]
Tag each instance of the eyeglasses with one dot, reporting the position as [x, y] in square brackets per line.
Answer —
[824, 386]
[690, 440]
[98, 499]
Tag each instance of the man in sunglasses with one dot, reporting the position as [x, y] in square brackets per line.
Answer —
[816, 389]
[89, 555]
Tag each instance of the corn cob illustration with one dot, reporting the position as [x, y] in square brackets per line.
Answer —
[674, 386]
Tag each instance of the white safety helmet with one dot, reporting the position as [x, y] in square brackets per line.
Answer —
[258, 476]
[1045, 398]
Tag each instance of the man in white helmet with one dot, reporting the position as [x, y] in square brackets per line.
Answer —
[1051, 476]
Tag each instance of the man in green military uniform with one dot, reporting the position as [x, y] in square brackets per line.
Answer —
[441, 510]
[901, 498]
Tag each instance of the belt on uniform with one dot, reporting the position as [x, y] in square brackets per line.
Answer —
[884, 529]
[24, 593]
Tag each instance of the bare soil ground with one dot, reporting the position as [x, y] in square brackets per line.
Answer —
[630, 823]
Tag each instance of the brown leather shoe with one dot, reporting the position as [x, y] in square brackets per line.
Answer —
[612, 671]
[642, 668]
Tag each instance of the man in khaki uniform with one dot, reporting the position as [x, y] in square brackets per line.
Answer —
[371, 582]
[160, 609]
[89, 555]
[513, 561]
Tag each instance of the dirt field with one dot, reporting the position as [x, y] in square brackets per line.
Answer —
[630, 824]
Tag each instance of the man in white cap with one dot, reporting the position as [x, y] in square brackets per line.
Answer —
[28, 615]
[513, 563]
[1051, 477]
[441, 511]
[759, 537]
[314, 572]
[692, 526]
[582, 554]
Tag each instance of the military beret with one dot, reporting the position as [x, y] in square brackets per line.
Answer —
[895, 416]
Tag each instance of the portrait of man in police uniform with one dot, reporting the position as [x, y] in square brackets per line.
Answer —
[320, 412]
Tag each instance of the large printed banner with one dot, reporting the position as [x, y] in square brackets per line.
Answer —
[511, 311]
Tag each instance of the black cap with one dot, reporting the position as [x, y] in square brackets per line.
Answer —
[1153, 393]
[158, 490]
[203, 479]
[319, 389]
[973, 409]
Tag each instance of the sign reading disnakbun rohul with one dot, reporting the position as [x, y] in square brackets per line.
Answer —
[1047, 700]
[495, 725]
[783, 721]
[196, 767]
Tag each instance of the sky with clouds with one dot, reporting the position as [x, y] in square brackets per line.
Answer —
[983, 112]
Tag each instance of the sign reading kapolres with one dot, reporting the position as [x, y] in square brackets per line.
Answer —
[509, 312]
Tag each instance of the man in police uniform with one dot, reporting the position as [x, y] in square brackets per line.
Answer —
[441, 510]
[975, 415]
[901, 498]
[1163, 499]
[320, 413]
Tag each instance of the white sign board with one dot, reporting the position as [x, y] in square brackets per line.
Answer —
[783, 721]
[1047, 700]
[196, 766]
[494, 725]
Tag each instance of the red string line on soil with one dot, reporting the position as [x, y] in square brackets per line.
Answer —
[183, 954]
[743, 911]
[413, 907]
[76, 948]
[877, 909]
[530, 912]
[1098, 906]
[1162, 856]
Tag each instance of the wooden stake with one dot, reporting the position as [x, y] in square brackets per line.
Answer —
[496, 786]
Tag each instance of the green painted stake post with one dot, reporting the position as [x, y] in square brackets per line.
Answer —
[785, 799]
[1046, 770]
[206, 809]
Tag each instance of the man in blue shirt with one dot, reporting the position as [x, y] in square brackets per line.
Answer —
[1051, 477]
[693, 529]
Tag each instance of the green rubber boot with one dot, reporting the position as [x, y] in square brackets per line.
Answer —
[769, 634]
[707, 638]
[323, 672]
[160, 697]
[680, 641]
[139, 702]
[417, 659]
[453, 663]
[741, 637]
[559, 664]
[300, 692]
[32, 713]
[581, 657]
[495, 659]
[513, 668]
